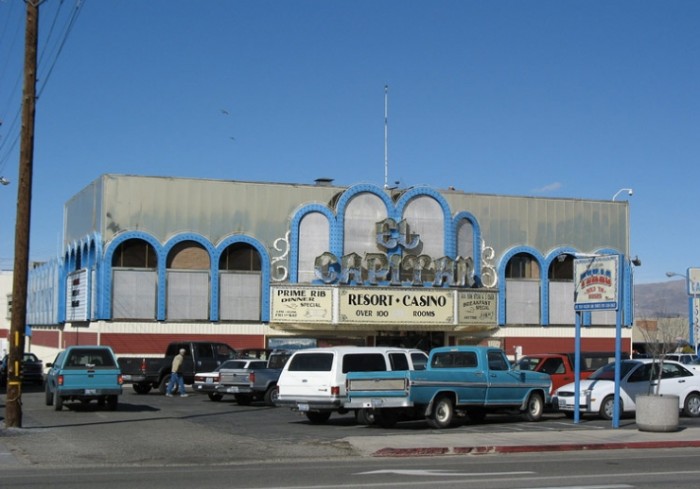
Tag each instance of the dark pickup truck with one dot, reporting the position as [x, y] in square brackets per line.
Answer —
[146, 373]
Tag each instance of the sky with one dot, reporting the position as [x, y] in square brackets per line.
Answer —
[565, 99]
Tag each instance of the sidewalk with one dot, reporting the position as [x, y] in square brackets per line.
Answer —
[446, 443]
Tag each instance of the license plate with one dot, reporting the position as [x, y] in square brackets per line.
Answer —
[90, 392]
[210, 381]
[232, 389]
[303, 407]
[127, 378]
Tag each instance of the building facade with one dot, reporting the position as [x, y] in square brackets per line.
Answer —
[151, 259]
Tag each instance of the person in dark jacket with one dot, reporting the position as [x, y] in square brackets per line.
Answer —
[176, 375]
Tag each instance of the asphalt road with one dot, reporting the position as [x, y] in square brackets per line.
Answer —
[154, 430]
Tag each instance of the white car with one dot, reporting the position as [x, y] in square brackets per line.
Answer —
[596, 394]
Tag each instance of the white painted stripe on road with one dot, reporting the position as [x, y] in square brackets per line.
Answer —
[429, 472]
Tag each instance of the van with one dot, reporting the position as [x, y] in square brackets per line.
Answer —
[313, 380]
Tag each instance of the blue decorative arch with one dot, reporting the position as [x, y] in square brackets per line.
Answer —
[264, 272]
[338, 236]
[450, 240]
[106, 278]
[476, 240]
[293, 260]
[502, 278]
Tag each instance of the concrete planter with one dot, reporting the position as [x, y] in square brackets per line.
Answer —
[657, 413]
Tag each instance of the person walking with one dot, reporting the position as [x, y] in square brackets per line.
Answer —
[176, 375]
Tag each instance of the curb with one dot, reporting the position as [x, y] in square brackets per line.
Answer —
[490, 450]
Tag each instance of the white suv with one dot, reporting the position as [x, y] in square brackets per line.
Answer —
[313, 380]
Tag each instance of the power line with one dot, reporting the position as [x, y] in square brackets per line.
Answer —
[51, 53]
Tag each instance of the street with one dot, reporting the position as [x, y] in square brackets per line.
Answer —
[153, 441]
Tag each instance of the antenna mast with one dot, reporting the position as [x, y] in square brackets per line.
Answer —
[386, 130]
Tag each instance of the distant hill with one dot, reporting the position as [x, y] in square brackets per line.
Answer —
[664, 299]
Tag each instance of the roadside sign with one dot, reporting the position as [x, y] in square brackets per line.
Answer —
[596, 283]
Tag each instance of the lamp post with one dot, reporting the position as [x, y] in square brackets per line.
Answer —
[693, 312]
[628, 190]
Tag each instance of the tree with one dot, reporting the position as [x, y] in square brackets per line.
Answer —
[662, 336]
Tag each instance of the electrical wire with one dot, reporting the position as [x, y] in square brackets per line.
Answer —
[54, 50]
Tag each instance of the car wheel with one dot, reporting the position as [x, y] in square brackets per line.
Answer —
[271, 395]
[163, 386]
[607, 408]
[443, 413]
[112, 403]
[143, 388]
[365, 416]
[215, 396]
[48, 395]
[535, 407]
[318, 417]
[691, 407]
[57, 402]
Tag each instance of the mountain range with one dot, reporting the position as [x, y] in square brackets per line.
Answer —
[663, 299]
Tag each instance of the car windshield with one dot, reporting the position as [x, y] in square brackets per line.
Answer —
[607, 372]
[527, 363]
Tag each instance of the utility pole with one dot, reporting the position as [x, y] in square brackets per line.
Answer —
[13, 401]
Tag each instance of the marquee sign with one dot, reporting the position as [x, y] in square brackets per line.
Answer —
[478, 307]
[301, 304]
[76, 296]
[395, 306]
[399, 262]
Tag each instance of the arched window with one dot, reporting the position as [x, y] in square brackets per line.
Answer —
[240, 283]
[188, 266]
[135, 280]
[522, 266]
[134, 253]
[240, 256]
[522, 290]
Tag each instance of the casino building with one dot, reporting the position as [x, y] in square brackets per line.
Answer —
[148, 260]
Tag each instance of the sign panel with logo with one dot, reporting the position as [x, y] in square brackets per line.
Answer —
[596, 283]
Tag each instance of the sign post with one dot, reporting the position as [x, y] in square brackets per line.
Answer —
[597, 287]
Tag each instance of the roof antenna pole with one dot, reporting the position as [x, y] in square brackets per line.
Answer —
[386, 131]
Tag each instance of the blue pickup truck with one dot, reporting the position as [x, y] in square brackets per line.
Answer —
[84, 373]
[472, 380]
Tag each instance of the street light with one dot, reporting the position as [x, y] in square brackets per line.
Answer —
[4, 181]
[628, 190]
[693, 291]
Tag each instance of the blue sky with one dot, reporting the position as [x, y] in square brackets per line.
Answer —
[572, 99]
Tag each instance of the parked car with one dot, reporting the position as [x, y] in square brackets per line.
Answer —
[684, 358]
[255, 382]
[470, 380]
[32, 370]
[209, 382]
[638, 376]
[312, 381]
[84, 373]
[560, 366]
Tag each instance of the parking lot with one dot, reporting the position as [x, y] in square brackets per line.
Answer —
[153, 429]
